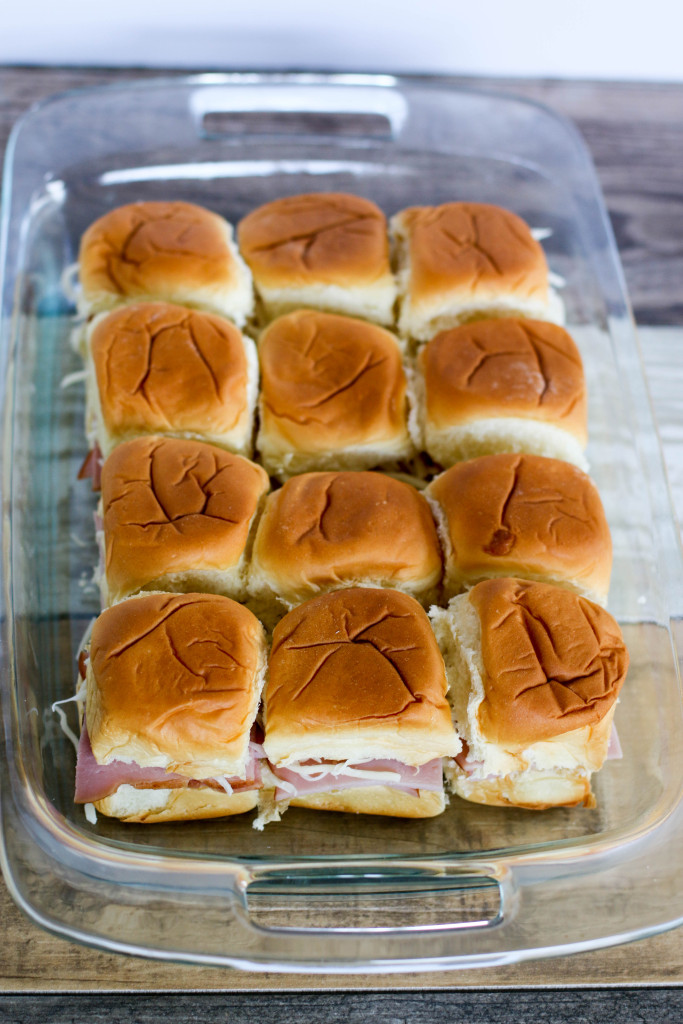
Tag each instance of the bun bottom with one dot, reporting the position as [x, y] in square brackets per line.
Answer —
[374, 302]
[376, 800]
[228, 582]
[423, 320]
[533, 790]
[501, 434]
[151, 806]
[281, 460]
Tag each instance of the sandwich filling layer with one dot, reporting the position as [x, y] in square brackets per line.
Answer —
[320, 776]
[96, 781]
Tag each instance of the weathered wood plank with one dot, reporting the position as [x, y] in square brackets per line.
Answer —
[526, 1007]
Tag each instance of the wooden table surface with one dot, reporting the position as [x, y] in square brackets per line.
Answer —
[635, 133]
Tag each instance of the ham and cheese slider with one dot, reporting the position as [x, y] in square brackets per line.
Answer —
[333, 395]
[503, 385]
[157, 368]
[522, 515]
[464, 261]
[327, 530]
[173, 684]
[356, 717]
[534, 672]
[326, 250]
[166, 251]
[176, 515]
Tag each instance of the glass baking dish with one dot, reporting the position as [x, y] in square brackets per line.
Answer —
[322, 892]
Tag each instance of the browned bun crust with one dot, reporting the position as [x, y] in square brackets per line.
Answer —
[330, 383]
[166, 368]
[525, 516]
[505, 367]
[318, 238]
[376, 800]
[553, 661]
[173, 251]
[325, 529]
[357, 673]
[180, 805]
[174, 681]
[172, 506]
[473, 246]
[462, 261]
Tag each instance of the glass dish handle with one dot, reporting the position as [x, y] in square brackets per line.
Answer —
[374, 915]
[358, 109]
[375, 897]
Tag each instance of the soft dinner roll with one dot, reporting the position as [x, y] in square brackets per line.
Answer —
[324, 250]
[155, 368]
[176, 516]
[522, 515]
[464, 261]
[172, 689]
[333, 395]
[355, 698]
[503, 385]
[325, 530]
[173, 252]
[534, 673]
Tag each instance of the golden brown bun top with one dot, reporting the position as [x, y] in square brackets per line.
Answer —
[165, 367]
[553, 661]
[357, 657]
[319, 238]
[474, 248]
[143, 248]
[322, 528]
[177, 673]
[524, 514]
[331, 380]
[172, 505]
[505, 367]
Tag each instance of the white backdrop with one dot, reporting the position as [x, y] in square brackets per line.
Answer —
[583, 38]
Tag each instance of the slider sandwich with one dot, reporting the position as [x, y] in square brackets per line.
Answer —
[356, 717]
[156, 368]
[172, 690]
[534, 672]
[464, 261]
[525, 516]
[333, 395]
[503, 386]
[164, 251]
[324, 250]
[176, 515]
[327, 530]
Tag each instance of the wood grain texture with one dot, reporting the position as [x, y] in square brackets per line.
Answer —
[635, 133]
[523, 1007]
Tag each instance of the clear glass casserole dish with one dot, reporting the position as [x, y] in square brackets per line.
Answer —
[322, 892]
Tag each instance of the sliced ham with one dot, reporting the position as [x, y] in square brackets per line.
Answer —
[465, 762]
[92, 467]
[83, 658]
[95, 781]
[323, 776]
[256, 749]
[614, 751]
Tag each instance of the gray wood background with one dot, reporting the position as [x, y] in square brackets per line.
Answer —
[635, 133]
